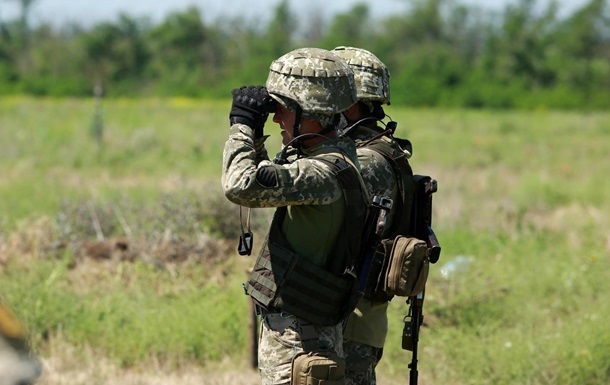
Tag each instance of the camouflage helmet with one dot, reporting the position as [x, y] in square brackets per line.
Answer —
[372, 76]
[317, 80]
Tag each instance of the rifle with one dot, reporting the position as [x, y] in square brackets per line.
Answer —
[422, 229]
[422, 214]
[410, 334]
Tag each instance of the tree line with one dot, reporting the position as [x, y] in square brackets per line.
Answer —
[439, 52]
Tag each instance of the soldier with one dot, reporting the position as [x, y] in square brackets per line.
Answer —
[303, 281]
[366, 329]
[17, 365]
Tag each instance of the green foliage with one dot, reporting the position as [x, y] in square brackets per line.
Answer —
[351, 27]
[143, 313]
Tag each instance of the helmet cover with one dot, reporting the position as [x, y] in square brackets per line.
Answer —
[371, 74]
[316, 80]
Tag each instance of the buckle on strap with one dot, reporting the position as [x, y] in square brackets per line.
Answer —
[309, 336]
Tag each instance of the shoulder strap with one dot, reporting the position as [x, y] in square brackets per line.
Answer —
[356, 206]
[404, 173]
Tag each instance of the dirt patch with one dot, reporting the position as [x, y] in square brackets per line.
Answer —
[157, 251]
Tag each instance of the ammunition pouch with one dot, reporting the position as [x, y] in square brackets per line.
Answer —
[407, 267]
[318, 368]
[400, 267]
[295, 285]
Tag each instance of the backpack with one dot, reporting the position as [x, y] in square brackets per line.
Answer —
[400, 262]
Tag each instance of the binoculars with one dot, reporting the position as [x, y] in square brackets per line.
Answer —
[270, 105]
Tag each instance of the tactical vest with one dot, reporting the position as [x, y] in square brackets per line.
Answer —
[281, 280]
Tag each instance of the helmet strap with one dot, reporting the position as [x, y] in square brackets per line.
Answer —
[298, 119]
[378, 112]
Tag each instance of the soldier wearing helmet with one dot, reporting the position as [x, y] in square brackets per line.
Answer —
[366, 329]
[302, 282]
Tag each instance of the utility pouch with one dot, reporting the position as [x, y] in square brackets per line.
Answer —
[407, 269]
[293, 284]
[318, 368]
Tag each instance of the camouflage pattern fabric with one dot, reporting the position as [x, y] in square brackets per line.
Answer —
[378, 174]
[309, 188]
[319, 81]
[302, 182]
[280, 342]
[371, 74]
[361, 361]
[322, 85]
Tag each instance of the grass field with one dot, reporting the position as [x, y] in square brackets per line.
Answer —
[119, 257]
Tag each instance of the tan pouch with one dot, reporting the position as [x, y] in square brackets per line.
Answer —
[318, 368]
[408, 267]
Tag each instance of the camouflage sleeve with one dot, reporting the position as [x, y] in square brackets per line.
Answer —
[380, 179]
[377, 173]
[303, 182]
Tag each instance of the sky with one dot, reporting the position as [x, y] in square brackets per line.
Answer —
[88, 12]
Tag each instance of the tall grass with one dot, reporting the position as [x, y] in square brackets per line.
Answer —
[521, 213]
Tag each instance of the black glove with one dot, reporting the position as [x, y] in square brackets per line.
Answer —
[251, 106]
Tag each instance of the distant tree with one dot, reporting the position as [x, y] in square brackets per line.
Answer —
[179, 39]
[21, 35]
[180, 47]
[585, 39]
[428, 50]
[251, 47]
[56, 65]
[314, 27]
[422, 23]
[280, 31]
[519, 49]
[115, 52]
[8, 69]
[351, 28]
[26, 6]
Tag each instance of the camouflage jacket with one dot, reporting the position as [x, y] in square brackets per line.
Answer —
[308, 187]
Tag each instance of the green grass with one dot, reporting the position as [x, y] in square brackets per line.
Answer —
[132, 312]
[522, 195]
[152, 146]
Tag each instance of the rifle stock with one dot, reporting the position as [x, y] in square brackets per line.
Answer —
[422, 214]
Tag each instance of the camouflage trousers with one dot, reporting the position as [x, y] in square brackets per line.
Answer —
[280, 341]
[361, 361]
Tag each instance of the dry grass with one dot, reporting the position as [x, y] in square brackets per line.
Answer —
[67, 367]
[83, 367]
